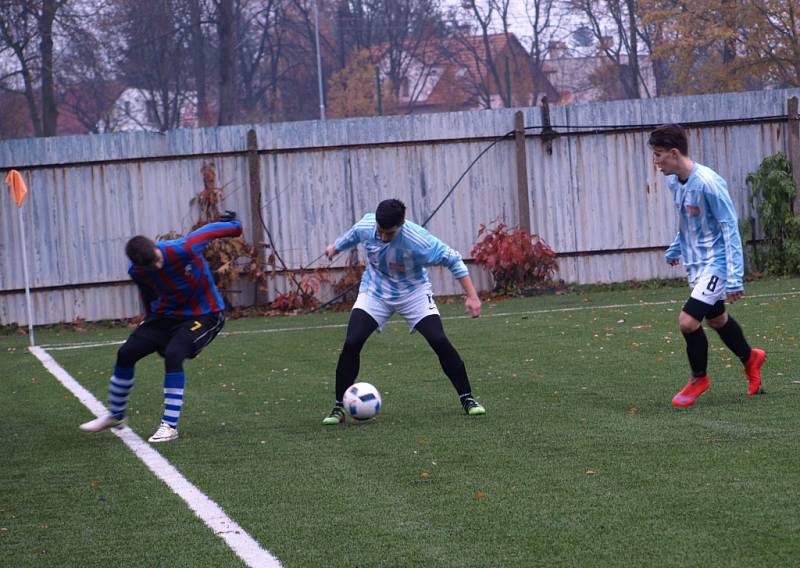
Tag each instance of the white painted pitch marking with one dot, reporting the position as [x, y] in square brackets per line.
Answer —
[69, 346]
[241, 543]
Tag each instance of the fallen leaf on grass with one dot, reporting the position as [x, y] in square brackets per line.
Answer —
[480, 496]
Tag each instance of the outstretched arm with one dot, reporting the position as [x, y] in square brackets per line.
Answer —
[207, 233]
[350, 238]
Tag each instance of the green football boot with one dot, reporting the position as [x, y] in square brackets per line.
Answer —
[335, 417]
[472, 408]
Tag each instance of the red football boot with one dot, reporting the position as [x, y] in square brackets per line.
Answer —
[753, 371]
[693, 389]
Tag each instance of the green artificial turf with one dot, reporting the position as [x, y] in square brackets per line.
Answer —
[581, 459]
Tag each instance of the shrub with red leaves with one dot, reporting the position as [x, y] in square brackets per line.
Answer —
[518, 260]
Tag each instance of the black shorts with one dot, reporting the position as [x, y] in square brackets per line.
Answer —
[699, 310]
[192, 334]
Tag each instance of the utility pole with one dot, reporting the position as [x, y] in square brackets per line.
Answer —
[378, 90]
[319, 63]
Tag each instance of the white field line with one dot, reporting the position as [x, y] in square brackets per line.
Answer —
[241, 543]
[86, 345]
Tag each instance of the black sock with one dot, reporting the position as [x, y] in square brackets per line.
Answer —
[359, 328]
[697, 351]
[733, 336]
[452, 364]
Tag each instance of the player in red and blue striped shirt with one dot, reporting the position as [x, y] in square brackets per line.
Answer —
[184, 314]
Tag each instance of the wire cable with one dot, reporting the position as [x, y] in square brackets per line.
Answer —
[547, 131]
[427, 220]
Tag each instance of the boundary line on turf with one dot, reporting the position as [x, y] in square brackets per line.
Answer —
[88, 345]
[214, 517]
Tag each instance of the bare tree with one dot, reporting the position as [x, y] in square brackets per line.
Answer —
[491, 57]
[408, 29]
[199, 17]
[225, 35]
[401, 37]
[262, 56]
[85, 72]
[487, 76]
[622, 48]
[153, 58]
[24, 26]
[544, 21]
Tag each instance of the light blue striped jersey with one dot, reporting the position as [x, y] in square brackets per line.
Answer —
[397, 268]
[708, 240]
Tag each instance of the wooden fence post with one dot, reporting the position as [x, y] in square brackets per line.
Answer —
[523, 202]
[793, 128]
[254, 172]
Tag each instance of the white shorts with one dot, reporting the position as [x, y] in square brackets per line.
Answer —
[414, 307]
[709, 289]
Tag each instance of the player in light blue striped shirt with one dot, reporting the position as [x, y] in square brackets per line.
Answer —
[709, 245]
[395, 280]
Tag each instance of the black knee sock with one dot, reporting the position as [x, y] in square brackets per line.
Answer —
[431, 328]
[697, 351]
[359, 328]
[733, 336]
[347, 371]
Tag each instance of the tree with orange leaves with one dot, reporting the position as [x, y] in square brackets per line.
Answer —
[726, 45]
[352, 91]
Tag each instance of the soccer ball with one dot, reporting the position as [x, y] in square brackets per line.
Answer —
[362, 401]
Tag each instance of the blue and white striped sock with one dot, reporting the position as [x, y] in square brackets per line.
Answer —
[173, 397]
[118, 390]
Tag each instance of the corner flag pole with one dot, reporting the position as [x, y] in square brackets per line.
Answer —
[18, 192]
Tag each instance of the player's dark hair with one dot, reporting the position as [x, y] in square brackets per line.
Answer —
[669, 136]
[141, 251]
[390, 213]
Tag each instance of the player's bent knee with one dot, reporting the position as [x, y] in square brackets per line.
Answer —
[719, 321]
[688, 323]
[127, 356]
[353, 344]
[174, 358]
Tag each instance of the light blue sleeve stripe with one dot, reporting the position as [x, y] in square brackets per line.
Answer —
[436, 253]
[674, 250]
[355, 234]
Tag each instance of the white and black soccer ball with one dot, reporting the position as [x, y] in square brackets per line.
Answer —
[362, 401]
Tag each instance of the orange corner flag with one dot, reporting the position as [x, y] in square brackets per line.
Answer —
[17, 186]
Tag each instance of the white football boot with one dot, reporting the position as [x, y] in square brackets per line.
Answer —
[102, 423]
[165, 433]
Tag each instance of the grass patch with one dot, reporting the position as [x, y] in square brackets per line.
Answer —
[581, 459]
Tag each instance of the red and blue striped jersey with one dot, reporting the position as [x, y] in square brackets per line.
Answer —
[184, 286]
